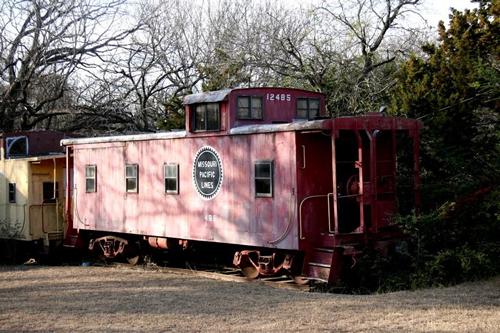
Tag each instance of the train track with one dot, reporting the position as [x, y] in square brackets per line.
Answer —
[222, 274]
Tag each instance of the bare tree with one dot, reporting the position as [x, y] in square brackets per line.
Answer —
[373, 35]
[227, 56]
[370, 22]
[50, 38]
[255, 44]
[346, 49]
[65, 64]
[144, 77]
[164, 65]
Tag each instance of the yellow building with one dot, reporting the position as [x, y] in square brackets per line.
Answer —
[32, 182]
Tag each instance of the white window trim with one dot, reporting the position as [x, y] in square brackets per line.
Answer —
[176, 165]
[271, 178]
[136, 190]
[93, 178]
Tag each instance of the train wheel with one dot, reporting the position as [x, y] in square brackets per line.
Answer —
[98, 255]
[132, 254]
[247, 261]
[133, 260]
[301, 280]
[250, 272]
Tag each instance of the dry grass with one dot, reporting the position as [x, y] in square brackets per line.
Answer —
[104, 299]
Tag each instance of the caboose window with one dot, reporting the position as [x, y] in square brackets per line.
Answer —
[90, 178]
[307, 108]
[16, 146]
[264, 179]
[50, 192]
[12, 193]
[206, 117]
[171, 171]
[249, 107]
[132, 178]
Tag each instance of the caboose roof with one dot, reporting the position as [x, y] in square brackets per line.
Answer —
[207, 97]
[301, 125]
[222, 95]
[250, 129]
[122, 138]
[366, 122]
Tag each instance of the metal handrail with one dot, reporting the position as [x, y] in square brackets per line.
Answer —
[329, 214]
[348, 196]
[301, 235]
[303, 156]
[291, 211]
[75, 205]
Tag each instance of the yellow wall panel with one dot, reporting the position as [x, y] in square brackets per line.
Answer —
[30, 217]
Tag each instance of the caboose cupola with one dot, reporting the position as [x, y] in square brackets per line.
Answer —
[219, 111]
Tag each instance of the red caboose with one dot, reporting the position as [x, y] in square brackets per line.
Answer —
[261, 168]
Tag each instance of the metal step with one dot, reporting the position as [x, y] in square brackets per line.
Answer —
[70, 241]
[320, 262]
[317, 264]
[321, 256]
[324, 249]
[55, 235]
[318, 271]
[325, 263]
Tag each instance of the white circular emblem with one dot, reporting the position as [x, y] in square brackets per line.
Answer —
[207, 172]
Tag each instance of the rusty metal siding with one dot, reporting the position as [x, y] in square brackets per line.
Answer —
[234, 215]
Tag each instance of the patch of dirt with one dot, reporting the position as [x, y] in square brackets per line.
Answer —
[109, 299]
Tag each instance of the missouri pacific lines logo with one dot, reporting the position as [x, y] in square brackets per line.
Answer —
[207, 172]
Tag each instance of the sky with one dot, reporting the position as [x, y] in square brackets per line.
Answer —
[435, 10]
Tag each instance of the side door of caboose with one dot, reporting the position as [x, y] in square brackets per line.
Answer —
[315, 188]
[45, 210]
[350, 173]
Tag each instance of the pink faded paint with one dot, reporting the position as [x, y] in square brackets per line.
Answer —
[234, 215]
[334, 181]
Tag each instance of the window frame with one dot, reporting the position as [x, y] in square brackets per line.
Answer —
[55, 195]
[136, 178]
[308, 108]
[250, 107]
[12, 193]
[206, 128]
[269, 194]
[176, 166]
[94, 178]
[9, 144]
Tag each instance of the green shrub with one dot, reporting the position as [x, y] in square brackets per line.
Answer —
[457, 242]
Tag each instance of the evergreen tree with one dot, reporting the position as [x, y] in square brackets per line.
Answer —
[454, 89]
